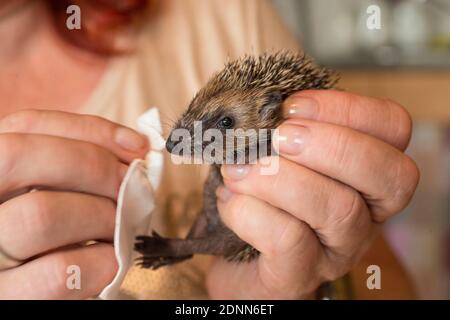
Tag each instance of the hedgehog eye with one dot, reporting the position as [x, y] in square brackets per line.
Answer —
[225, 123]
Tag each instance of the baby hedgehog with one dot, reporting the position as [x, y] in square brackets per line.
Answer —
[246, 94]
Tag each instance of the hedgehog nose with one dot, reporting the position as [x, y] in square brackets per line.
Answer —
[170, 144]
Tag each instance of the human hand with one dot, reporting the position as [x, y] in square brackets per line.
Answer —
[342, 173]
[76, 162]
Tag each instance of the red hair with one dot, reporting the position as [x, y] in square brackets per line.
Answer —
[105, 24]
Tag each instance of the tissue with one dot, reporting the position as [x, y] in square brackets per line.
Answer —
[136, 200]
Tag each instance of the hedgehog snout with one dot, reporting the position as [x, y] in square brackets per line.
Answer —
[170, 145]
[171, 142]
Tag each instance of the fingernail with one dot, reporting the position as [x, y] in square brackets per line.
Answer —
[129, 139]
[291, 139]
[223, 193]
[301, 107]
[234, 172]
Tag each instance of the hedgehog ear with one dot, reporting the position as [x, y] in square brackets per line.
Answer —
[271, 105]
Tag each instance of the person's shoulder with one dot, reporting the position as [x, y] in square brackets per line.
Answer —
[188, 40]
[228, 24]
[236, 27]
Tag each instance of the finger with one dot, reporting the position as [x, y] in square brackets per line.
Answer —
[38, 160]
[282, 239]
[336, 212]
[384, 175]
[229, 281]
[124, 142]
[269, 229]
[49, 276]
[381, 118]
[41, 221]
[249, 281]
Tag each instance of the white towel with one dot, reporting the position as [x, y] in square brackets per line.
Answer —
[136, 201]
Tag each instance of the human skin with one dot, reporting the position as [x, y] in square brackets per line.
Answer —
[89, 155]
[342, 173]
[81, 159]
[77, 164]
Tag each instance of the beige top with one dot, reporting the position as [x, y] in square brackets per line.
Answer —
[179, 49]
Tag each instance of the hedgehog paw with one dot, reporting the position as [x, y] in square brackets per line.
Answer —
[154, 263]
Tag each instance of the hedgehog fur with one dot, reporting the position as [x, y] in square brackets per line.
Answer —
[284, 71]
[248, 94]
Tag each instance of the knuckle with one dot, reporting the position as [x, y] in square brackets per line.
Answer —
[335, 266]
[344, 207]
[349, 220]
[100, 278]
[99, 126]
[121, 172]
[99, 122]
[235, 208]
[94, 161]
[290, 238]
[275, 284]
[93, 280]
[272, 184]
[103, 167]
[10, 148]
[405, 183]
[401, 122]
[339, 144]
[346, 101]
[110, 269]
[19, 121]
[261, 184]
[56, 276]
[36, 213]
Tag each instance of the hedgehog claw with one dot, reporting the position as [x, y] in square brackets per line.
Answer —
[155, 263]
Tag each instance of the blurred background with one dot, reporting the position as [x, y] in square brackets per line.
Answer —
[405, 57]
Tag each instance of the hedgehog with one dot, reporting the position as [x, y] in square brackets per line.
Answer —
[246, 94]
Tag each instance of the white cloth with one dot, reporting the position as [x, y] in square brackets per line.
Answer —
[136, 201]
